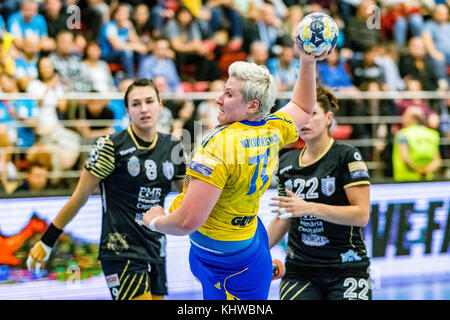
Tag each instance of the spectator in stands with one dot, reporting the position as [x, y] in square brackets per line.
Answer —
[416, 64]
[184, 125]
[8, 7]
[8, 171]
[36, 180]
[97, 70]
[223, 12]
[56, 17]
[64, 143]
[346, 9]
[203, 16]
[374, 108]
[118, 108]
[185, 38]
[41, 156]
[26, 65]
[6, 112]
[94, 13]
[293, 17]
[143, 25]
[416, 153]
[28, 21]
[259, 53]
[162, 12]
[160, 63]
[208, 110]
[387, 59]
[437, 42]
[119, 41]
[320, 5]
[93, 110]
[270, 26]
[431, 118]
[171, 104]
[358, 35]
[333, 74]
[401, 18]
[248, 8]
[284, 67]
[24, 111]
[341, 28]
[367, 68]
[267, 28]
[68, 65]
[52, 107]
[165, 118]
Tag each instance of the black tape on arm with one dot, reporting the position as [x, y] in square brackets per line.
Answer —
[51, 235]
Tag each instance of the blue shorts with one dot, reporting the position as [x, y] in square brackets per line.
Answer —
[242, 275]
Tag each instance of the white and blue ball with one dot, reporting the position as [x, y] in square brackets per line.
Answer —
[317, 33]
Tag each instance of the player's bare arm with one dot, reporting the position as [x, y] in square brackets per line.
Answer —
[197, 204]
[304, 95]
[277, 229]
[85, 187]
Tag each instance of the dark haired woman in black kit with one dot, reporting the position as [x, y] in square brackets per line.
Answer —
[324, 204]
[134, 170]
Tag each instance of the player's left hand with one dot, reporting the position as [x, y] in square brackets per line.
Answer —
[38, 255]
[292, 206]
[153, 213]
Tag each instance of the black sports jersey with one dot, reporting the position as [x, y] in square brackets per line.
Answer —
[134, 179]
[315, 245]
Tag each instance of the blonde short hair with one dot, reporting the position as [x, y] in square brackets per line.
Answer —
[257, 83]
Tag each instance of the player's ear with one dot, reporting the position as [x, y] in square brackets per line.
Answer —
[253, 106]
[330, 116]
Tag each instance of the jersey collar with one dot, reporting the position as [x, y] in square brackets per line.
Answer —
[136, 143]
[320, 157]
[253, 123]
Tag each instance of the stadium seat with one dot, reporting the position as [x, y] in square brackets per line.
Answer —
[187, 86]
[200, 86]
[342, 132]
[114, 67]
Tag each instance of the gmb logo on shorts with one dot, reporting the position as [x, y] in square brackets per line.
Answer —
[242, 220]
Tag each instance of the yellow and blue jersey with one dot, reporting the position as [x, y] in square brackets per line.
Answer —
[240, 159]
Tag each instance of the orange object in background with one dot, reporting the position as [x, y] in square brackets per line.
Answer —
[10, 244]
[277, 269]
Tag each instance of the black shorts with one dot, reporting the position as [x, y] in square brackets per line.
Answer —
[326, 287]
[128, 279]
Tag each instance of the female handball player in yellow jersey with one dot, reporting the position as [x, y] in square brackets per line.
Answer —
[228, 174]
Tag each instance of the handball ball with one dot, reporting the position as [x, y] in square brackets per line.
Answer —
[318, 33]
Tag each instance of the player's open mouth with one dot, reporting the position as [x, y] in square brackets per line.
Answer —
[146, 118]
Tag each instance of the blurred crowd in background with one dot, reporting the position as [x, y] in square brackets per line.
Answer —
[52, 47]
